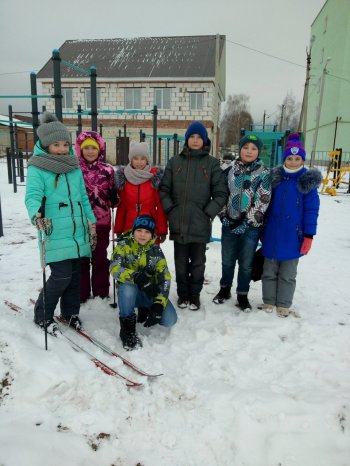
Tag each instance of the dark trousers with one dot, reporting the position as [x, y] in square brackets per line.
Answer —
[98, 265]
[189, 268]
[63, 283]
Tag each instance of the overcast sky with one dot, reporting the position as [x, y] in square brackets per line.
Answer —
[29, 31]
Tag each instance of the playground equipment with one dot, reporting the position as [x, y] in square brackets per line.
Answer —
[338, 171]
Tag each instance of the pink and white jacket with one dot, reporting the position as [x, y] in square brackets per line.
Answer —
[99, 181]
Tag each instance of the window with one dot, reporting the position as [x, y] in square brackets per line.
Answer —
[196, 100]
[88, 98]
[132, 98]
[67, 101]
[162, 97]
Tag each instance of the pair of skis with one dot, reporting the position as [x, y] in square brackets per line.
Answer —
[98, 363]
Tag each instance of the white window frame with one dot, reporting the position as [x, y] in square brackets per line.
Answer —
[162, 100]
[87, 98]
[134, 105]
[66, 91]
[196, 100]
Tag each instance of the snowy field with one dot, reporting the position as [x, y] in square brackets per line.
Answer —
[239, 389]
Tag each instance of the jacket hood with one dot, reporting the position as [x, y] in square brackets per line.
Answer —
[308, 179]
[94, 135]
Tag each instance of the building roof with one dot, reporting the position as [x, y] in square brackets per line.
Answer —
[142, 57]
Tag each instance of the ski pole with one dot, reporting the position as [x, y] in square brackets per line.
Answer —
[43, 265]
[114, 304]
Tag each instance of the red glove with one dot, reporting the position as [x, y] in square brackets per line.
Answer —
[306, 246]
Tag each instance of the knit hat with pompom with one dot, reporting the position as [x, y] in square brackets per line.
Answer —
[51, 130]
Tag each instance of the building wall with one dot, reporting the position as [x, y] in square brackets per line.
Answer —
[331, 30]
[170, 121]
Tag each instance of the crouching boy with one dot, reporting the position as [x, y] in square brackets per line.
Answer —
[143, 281]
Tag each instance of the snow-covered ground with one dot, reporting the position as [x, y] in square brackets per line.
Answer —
[238, 389]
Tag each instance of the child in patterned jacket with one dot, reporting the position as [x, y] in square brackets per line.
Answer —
[100, 186]
[140, 269]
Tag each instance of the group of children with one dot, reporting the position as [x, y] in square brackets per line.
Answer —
[69, 198]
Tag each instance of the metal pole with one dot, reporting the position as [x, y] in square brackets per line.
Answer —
[101, 129]
[314, 142]
[9, 167]
[57, 83]
[13, 155]
[80, 126]
[264, 118]
[35, 112]
[281, 119]
[154, 113]
[1, 228]
[175, 144]
[335, 131]
[20, 165]
[93, 92]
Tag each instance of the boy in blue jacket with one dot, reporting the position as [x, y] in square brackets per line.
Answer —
[65, 218]
[289, 226]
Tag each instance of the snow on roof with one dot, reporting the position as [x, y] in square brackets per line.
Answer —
[5, 121]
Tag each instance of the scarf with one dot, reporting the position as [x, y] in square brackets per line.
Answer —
[135, 176]
[55, 163]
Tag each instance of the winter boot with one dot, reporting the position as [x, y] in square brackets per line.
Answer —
[195, 303]
[142, 315]
[128, 333]
[182, 302]
[267, 307]
[50, 325]
[73, 321]
[243, 303]
[282, 311]
[223, 295]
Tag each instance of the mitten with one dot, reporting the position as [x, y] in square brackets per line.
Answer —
[306, 246]
[155, 315]
[92, 236]
[43, 224]
[237, 221]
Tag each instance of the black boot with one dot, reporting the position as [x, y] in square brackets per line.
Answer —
[223, 295]
[243, 303]
[195, 303]
[128, 333]
[142, 315]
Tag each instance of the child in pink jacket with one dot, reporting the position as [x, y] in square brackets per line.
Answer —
[100, 186]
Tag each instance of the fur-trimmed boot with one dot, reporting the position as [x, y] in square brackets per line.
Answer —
[128, 333]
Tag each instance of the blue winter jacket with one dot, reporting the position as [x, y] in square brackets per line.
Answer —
[67, 205]
[292, 212]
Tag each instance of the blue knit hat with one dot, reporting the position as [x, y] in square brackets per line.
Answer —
[251, 138]
[294, 146]
[145, 222]
[197, 128]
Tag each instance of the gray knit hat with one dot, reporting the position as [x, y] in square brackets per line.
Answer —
[51, 130]
[138, 149]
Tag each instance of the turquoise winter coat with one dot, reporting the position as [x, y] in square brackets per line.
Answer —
[67, 205]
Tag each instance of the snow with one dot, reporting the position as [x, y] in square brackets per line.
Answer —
[242, 389]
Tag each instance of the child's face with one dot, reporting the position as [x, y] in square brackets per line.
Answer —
[293, 162]
[90, 153]
[142, 236]
[139, 162]
[195, 142]
[249, 152]
[59, 148]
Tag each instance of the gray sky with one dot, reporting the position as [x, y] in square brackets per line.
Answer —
[29, 31]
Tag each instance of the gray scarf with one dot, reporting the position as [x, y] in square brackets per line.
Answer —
[135, 176]
[55, 163]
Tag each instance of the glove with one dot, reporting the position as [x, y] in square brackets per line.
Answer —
[161, 238]
[142, 280]
[225, 221]
[92, 236]
[238, 221]
[155, 315]
[306, 246]
[43, 224]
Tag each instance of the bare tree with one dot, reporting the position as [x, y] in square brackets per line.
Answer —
[288, 113]
[236, 116]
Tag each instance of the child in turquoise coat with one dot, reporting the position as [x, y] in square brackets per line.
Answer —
[58, 205]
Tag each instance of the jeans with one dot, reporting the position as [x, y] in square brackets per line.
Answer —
[189, 268]
[239, 248]
[130, 296]
[63, 283]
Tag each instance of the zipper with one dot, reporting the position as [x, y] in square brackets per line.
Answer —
[280, 217]
[138, 205]
[72, 214]
[185, 192]
[82, 219]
